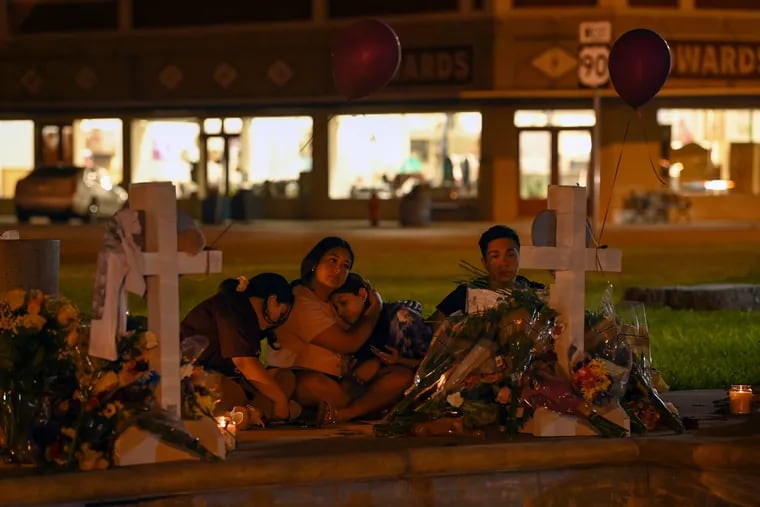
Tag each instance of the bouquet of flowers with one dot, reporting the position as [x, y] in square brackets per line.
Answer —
[34, 329]
[645, 406]
[470, 360]
[198, 400]
[598, 376]
[81, 425]
[60, 407]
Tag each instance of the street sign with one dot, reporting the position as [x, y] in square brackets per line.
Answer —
[595, 32]
[592, 65]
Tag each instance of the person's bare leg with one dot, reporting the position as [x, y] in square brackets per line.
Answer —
[286, 379]
[313, 387]
[382, 392]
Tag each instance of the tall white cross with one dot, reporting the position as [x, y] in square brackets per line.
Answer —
[570, 259]
[162, 266]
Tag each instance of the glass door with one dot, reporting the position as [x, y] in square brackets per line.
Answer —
[550, 156]
[221, 145]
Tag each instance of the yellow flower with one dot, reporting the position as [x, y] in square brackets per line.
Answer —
[455, 399]
[15, 298]
[109, 411]
[106, 382]
[34, 304]
[67, 314]
[32, 321]
[73, 338]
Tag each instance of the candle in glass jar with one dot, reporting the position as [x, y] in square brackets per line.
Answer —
[740, 399]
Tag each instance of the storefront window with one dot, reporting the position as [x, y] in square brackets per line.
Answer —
[390, 153]
[166, 150]
[16, 153]
[98, 143]
[276, 155]
[711, 150]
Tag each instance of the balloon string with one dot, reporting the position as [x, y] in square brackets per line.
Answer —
[311, 136]
[649, 152]
[614, 178]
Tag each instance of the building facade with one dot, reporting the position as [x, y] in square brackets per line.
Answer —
[493, 101]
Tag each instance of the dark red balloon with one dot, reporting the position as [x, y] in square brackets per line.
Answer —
[365, 58]
[639, 65]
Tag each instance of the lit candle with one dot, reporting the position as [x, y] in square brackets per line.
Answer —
[740, 399]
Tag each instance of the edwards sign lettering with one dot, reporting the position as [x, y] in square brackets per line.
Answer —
[435, 66]
[715, 60]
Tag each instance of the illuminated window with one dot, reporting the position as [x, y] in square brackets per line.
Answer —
[98, 143]
[708, 148]
[16, 153]
[167, 150]
[390, 153]
[276, 152]
[555, 118]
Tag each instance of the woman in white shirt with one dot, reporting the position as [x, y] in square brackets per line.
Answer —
[319, 347]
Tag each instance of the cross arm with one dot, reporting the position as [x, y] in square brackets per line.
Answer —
[564, 258]
[208, 261]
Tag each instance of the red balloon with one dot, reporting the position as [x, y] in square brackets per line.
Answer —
[639, 65]
[365, 58]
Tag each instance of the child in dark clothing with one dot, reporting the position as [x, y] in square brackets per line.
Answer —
[401, 335]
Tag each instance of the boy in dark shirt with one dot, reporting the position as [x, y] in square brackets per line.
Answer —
[500, 255]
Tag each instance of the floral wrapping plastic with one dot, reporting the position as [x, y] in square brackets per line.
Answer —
[471, 360]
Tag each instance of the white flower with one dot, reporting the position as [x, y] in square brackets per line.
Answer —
[185, 370]
[149, 340]
[455, 399]
[67, 314]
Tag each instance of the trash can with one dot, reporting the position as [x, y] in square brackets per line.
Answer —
[414, 207]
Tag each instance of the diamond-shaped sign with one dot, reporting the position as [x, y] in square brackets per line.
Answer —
[280, 73]
[86, 78]
[170, 76]
[225, 74]
[32, 81]
[555, 62]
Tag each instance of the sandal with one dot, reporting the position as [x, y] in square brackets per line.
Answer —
[326, 414]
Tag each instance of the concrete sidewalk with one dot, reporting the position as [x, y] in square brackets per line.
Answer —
[715, 465]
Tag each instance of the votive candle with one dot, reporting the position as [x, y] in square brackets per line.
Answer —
[740, 399]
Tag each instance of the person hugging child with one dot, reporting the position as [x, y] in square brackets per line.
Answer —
[401, 336]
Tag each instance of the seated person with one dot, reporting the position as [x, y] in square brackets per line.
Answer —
[500, 256]
[234, 321]
[315, 343]
[400, 337]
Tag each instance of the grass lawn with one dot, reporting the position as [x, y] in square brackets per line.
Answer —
[692, 349]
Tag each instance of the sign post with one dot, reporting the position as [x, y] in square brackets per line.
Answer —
[593, 72]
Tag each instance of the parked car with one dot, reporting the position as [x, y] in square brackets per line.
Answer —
[65, 191]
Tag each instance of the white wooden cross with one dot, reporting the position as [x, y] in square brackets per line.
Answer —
[570, 259]
[162, 266]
